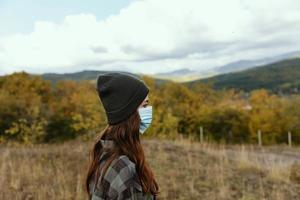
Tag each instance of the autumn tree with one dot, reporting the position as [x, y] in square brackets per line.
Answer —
[24, 99]
[265, 115]
[76, 110]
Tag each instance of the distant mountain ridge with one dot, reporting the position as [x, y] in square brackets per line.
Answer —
[77, 76]
[88, 75]
[180, 72]
[239, 75]
[279, 77]
[186, 74]
[282, 76]
[246, 64]
[180, 75]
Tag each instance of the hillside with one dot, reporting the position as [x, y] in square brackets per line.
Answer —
[77, 76]
[181, 75]
[86, 75]
[187, 75]
[247, 64]
[279, 77]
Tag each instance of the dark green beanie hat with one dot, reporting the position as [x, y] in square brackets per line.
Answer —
[121, 94]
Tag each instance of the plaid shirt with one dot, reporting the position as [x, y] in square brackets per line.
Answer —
[120, 182]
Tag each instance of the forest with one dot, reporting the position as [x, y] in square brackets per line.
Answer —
[35, 110]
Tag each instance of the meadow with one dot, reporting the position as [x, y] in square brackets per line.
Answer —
[185, 170]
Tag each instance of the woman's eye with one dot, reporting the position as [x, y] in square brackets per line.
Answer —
[145, 105]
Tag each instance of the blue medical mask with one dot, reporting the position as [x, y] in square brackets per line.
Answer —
[146, 117]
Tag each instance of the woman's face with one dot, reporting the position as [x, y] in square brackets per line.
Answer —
[145, 103]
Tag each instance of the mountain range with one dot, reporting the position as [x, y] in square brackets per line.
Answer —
[281, 74]
[246, 64]
[281, 77]
[186, 74]
[76, 76]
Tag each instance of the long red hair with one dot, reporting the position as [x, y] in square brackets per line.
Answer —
[127, 139]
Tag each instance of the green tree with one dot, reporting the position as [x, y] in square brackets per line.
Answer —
[227, 124]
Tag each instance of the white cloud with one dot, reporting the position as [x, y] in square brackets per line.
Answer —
[158, 35]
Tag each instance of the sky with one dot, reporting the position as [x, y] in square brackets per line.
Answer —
[143, 36]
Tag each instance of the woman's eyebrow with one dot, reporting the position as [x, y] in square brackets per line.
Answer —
[145, 102]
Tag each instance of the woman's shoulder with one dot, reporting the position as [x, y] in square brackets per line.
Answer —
[121, 180]
[122, 171]
[123, 163]
[121, 177]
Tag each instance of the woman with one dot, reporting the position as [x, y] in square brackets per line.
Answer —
[118, 169]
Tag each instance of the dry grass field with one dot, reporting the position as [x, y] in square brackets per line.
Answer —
[184, 170]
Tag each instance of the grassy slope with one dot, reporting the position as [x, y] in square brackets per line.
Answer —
[183, 170]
